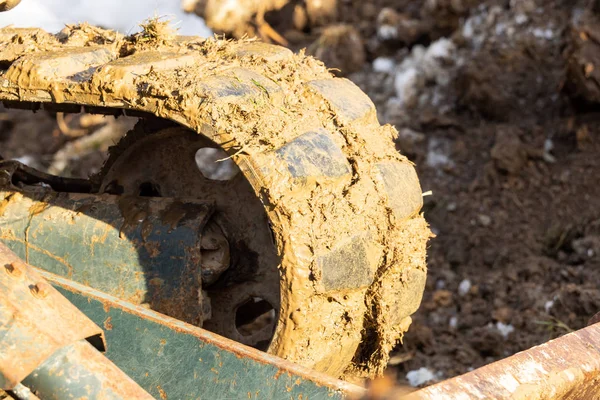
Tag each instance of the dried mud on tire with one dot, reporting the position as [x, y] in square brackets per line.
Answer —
[343, 204]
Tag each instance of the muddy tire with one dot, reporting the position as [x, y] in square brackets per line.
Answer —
[343, 205]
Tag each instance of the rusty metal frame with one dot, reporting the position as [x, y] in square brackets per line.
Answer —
[35, 321]
[172, 359]
[46, 342]
[563, 368]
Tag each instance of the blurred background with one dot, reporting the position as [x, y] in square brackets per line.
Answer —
[496, 101]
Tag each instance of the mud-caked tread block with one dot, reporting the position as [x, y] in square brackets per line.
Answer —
[346, 99]
[407, 294]
[266, 51]
[230, 90]
[123, 71]
[72, 64]
[245, 82]
[402, 188]
[315, 155]
[226, 88]
[350, 265]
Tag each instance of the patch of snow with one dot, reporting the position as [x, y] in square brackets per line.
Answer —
[419, 376]
[453, 323]
[500, 29]
[425, 65]
[548, 306]
[521, 19]
[407, 83]
[384, 64]
[468, 30]
[540, 33]
[26, 160]
[442, 48]
[124, 16]
[464, 287]
[504, 329]
[438, 153]
[387, 32]
[548, 147]
[215, 164]
[472, 31]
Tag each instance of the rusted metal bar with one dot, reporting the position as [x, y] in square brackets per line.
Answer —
[43, 342]
[21, 392]
[35, 321]
[79, 371]
[564, 368]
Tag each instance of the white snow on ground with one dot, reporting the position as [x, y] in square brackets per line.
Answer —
[425, 65]
[504, 329]
[547, 33]
[419, 376]
[453, 322]
[27, 160]
[121, 15]
[438, 153]
[384, 64]
[464, 287]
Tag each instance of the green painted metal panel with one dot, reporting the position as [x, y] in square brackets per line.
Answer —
[174, 360]
[140, 249]
[79, 371]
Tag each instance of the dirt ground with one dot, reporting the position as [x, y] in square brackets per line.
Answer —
[505, 135]
[497, 103]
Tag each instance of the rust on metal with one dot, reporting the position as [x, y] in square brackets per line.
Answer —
[204, 336]
[41, 290]
[563, 368]
[595, 319]
[15, 269]
[34, 327]
[151, 248]
[22, 392]
[80, 372]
